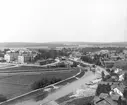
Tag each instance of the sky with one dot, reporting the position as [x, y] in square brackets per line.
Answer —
[63, 20]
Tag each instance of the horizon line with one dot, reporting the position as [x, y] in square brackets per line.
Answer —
[65, 42]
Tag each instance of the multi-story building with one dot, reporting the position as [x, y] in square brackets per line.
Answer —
[24, 58]
[20, 56]
[26, 55]
[9, 57]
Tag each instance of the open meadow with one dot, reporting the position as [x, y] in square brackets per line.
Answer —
[17, 84]
[31, 69]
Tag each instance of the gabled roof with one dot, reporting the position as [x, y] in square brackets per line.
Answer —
[104, 99]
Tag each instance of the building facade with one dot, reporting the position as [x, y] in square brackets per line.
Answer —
[24, 59]
[9, 57]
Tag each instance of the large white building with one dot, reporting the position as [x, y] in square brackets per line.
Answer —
[20, 56]
[24, 58]
[9, 57]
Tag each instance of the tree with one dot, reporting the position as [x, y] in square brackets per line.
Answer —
[87, 59]
[102, 88]
[103, 75]
[44, 82]
[74, 64]
[125, 93]
[108, 70]
[119, 101]
[125, 76]
[2, 98]
[5, 50]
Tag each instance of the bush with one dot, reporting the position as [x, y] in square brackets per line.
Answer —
[41, 96]
[108, 70]
[2, 98]
[103, 75]
[103, 88]
[44, 82]
[125, 93]
[74, 64]
[125, 76]
[86, 59]
[125, 79]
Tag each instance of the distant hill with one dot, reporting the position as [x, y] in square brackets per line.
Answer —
[22, 45]
[60, 44]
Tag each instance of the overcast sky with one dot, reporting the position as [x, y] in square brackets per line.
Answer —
[63, 20]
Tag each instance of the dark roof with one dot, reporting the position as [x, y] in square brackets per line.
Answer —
[104, 99]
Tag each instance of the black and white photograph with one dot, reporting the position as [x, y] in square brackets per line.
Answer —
[63, 52]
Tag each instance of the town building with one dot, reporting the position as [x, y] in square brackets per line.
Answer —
[24, 59]
[26, 55]
[9, 57]
[20, 55]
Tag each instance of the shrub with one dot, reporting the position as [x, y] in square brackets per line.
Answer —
[41, 96]
[106, 77]
[44, 82]
[125, 93]
[103, 88]
[103, 75]
[2, 98]
[125, 79]
[125, 76]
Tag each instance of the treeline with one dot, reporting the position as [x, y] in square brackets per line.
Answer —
[2, 98]
[103, 88]
[95, 60]
[46, 54]
[94, 49]
[44, 82]
[44, 62]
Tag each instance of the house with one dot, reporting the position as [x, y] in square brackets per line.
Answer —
[104, 99]
[26, 56]
[104, 52]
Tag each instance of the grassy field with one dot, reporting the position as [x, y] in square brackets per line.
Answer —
[31, 68]
[15, 85]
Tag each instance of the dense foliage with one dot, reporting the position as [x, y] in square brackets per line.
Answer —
[94, 49]
[46, 54]
[95, 60]
[103, 75]
[86, 59]
[2, 98]
[44, 82]
[103, 88]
